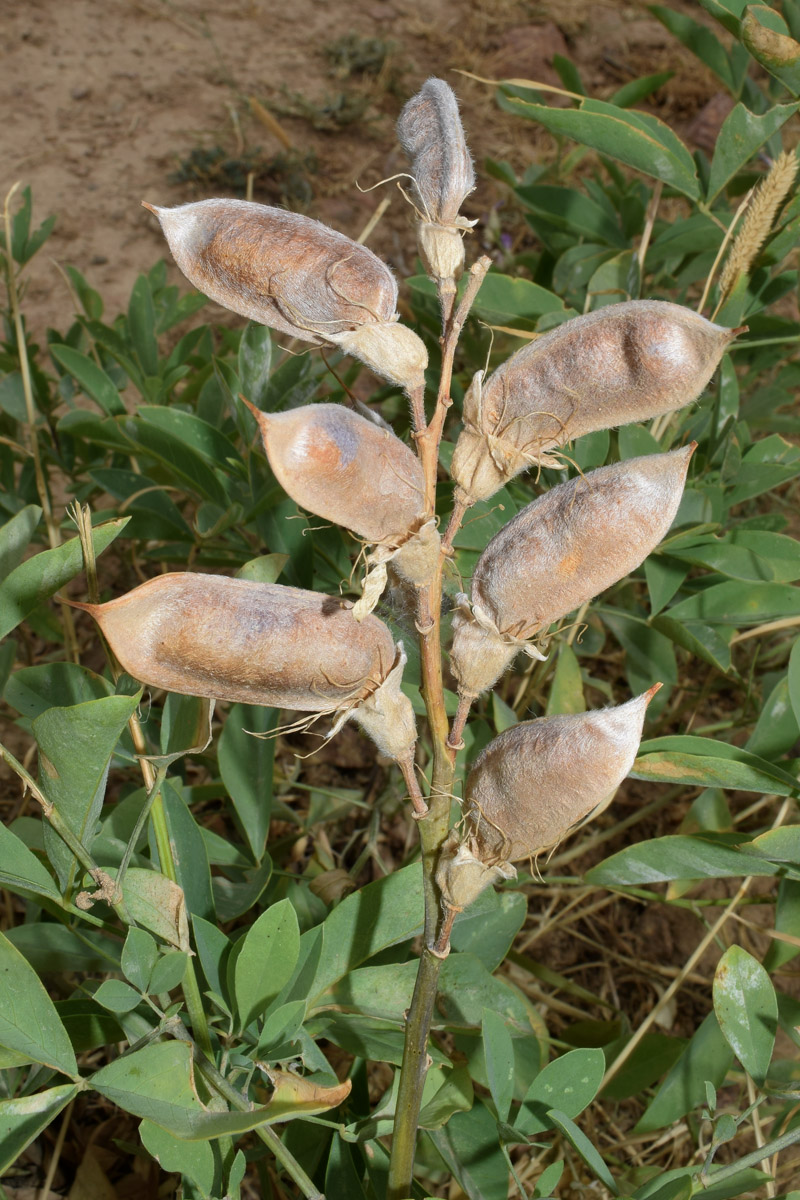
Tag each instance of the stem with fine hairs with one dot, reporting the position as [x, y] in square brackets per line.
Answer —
[434, 826]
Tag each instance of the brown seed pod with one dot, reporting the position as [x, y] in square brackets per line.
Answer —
[537, 781]
[626, 362]
[261, 643]
[298, 276]
[559, 552]
[347, 469]
[430, 131]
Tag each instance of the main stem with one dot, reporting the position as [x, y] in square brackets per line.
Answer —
[435, 825]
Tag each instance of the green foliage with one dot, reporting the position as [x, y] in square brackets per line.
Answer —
[229, 914]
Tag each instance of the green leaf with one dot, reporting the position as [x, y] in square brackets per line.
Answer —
[233, 897]
[29, 1023]
[35, 689]
[55, 949]
[75, 748]
[793, 679]
[195, 433]
[634, 138]
[571, 210]
[40, 577]
[664, 577]
[195, 1160]
[499, 1052]
[709, 763]
[255, 362]
[739, 604]
[117, 996]
[787, 920]
[281, 1026]
[246, 766]
[92, 379]
[469, 1147]
[741, 135]
[566, 690]
[168, 972]
[707, 1057]
[488, 926]
[192, 872]
[703, 42]
[139, 955]
[765, 34]
[15, 537]
[141, 323]
[580, 1142]
[180, 459]
[23, 1119]
[266, 961]
[653, 1057]
[675, 857]
[378, 916]
[158, 904]
[266, 569]
[504, 715]
[570, 1082]
[747, 1010]
[503, 299]
[708, 642]
[21, 871]
[157, 1083]
[747, 555]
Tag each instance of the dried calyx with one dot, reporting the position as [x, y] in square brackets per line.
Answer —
[533, 786]
[298, 276]
[430, 131]
[350, 470]
[260, 643]
[559, 552]
[627, 362]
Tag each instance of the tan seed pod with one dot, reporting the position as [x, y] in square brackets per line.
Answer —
[298, 276]
[559, 552]
[347, 469]
[261, 643]
[536, 782]
[430, 131]
[626, 362]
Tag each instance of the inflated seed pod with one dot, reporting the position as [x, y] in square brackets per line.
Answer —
[626, 362]
[297, 276]
[538, 780]
[430, 131]
[347, 469]
[261, 643]
[562, 550]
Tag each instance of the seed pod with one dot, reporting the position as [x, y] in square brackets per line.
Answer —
[347, 469]
[298, 276]
[260, 643]
[430, 132]
[626, 362]
[538, 780]
[562, 550]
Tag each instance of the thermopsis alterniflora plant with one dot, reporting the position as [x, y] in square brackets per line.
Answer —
[268, 644]
[260, 645]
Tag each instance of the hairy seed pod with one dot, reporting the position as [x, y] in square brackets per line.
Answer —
[298, 276]
[559, 552]
[626, 362]
[261, 643]
[430, 131]
[347, 469]
[538, 780]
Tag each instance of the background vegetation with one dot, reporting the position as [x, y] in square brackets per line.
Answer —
[649, 1001]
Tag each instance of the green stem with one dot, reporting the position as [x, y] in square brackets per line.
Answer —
[265, 1132]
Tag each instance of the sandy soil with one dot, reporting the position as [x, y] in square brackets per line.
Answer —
[101, 101]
